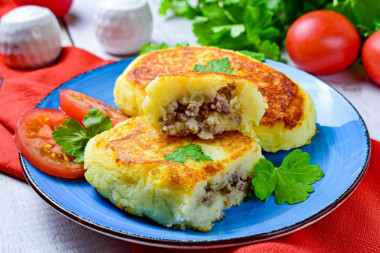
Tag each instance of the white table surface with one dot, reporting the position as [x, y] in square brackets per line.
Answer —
[28, 224]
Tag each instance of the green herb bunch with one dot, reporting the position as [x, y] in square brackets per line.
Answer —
[258, 27]
[73, 137]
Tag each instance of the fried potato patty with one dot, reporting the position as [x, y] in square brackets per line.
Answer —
[126, 165]
[289, 121]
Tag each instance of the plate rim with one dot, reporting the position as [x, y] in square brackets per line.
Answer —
[223, 243]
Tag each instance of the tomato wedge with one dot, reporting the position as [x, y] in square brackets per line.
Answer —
[76, 105]
[35, 142]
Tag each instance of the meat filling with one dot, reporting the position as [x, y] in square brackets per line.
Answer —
[196, 117]
[235, 183]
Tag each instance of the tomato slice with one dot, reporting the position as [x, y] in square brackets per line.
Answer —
[35, 142]
[76, 105]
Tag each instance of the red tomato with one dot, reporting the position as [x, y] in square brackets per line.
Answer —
[58, 7]
[35, 142]
[371, 56]
[76, 105]
[322, 42]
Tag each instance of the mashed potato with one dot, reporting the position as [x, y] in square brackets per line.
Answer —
[204, 104]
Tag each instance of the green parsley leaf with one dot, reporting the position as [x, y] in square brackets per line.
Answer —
[254, 55]
[221, 66]
[192, 151]
[258, 20]
[96, 123]
[234, 30]
[364, 14]
[293, 9]
[147, 48]
[74, 137]
[164, 7]
[179, 7]
[271, 50]
[242, 25]
[291, 182]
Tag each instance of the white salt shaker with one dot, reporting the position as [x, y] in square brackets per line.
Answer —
[29, 37]
[123, 26]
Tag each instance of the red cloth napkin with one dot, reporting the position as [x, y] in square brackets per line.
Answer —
[353, 227]
[21, 90]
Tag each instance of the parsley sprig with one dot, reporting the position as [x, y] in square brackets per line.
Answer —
[291, 182]
[260, 26]
[192, 151]
[221, 66]
[74, 137]
[147, 48]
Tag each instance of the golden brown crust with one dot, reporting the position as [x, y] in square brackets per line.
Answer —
[191, 73]
[136, 144]
[283, 96]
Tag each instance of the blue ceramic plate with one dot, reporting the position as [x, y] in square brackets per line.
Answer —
[341, 148]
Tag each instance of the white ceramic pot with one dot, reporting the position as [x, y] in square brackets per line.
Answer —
[29, 37]
[123, 26]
